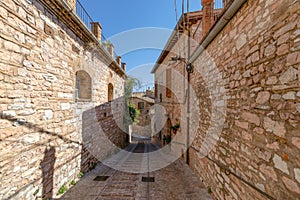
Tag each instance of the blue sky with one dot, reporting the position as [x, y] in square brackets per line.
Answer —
[119, 16]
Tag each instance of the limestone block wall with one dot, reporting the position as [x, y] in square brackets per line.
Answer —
[174, 107]
[256, 78]
[41, 136]
[103, 131]
[72, 3]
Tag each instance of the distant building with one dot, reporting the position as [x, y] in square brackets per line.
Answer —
[169, 70]
[144, 102]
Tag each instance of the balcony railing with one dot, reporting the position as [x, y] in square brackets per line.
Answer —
[83, 15]
[220, 4]
[87, 20]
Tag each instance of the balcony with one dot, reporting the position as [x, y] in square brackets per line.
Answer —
[88, 21]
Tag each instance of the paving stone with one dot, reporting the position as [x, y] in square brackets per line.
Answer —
[176, 181]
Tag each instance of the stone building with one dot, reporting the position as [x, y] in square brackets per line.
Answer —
[144, 102]
[238, 108]
[59, 87]
[170, 73]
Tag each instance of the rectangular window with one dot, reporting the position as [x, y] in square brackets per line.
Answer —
[141, 105]
[155, 90]
[168, 83]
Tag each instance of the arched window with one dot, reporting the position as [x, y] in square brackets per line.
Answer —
[110, 92]
[83, 86]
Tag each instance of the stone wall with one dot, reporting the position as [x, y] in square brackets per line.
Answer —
[257, 70]
[144, 127]
[103, 132]
[41, 136]
[244, 144]
[172, 110]
[72, 3]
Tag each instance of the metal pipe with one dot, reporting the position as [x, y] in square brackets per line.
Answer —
[217, 28]
[188, 90]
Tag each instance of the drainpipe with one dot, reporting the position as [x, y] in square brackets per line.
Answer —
[217, 28]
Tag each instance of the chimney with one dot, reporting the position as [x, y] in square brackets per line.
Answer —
[72, 4]
[208, 15]
[149, 93]
[111, 50]
[97, 30]
[118, 60]
[124, 66]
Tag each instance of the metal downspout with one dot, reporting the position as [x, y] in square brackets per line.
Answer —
[225, 18]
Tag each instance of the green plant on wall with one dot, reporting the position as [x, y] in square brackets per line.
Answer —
[92, 165]
[80, 174]
[73, 182]
[106, 43]
[36, 192]
[132, 113]
[209, 190]
[175, 127]
[62, 189]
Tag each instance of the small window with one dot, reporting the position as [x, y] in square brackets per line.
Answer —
[83, 86]
[169, 83]
[155, 90]
[110, 92]
[141, 105]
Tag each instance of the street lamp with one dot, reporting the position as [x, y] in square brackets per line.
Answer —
[189, 68]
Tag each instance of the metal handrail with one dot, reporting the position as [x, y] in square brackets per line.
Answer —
[83, 15]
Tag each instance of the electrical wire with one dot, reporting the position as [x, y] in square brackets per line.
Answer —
[177, 25]
[176, 12]
[182, 13]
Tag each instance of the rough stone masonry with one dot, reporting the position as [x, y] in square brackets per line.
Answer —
[245, 86]
[257, 58]
[54, 75]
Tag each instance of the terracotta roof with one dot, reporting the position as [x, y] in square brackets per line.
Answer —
[142, 96]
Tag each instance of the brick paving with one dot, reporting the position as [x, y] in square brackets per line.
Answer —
[176, 181]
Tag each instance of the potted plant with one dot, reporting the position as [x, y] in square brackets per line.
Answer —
[175, 127]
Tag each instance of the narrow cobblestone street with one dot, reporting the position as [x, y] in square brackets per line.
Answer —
[175, 181]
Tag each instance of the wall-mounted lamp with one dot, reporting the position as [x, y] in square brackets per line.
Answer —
[189, 68]
[176, 58]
